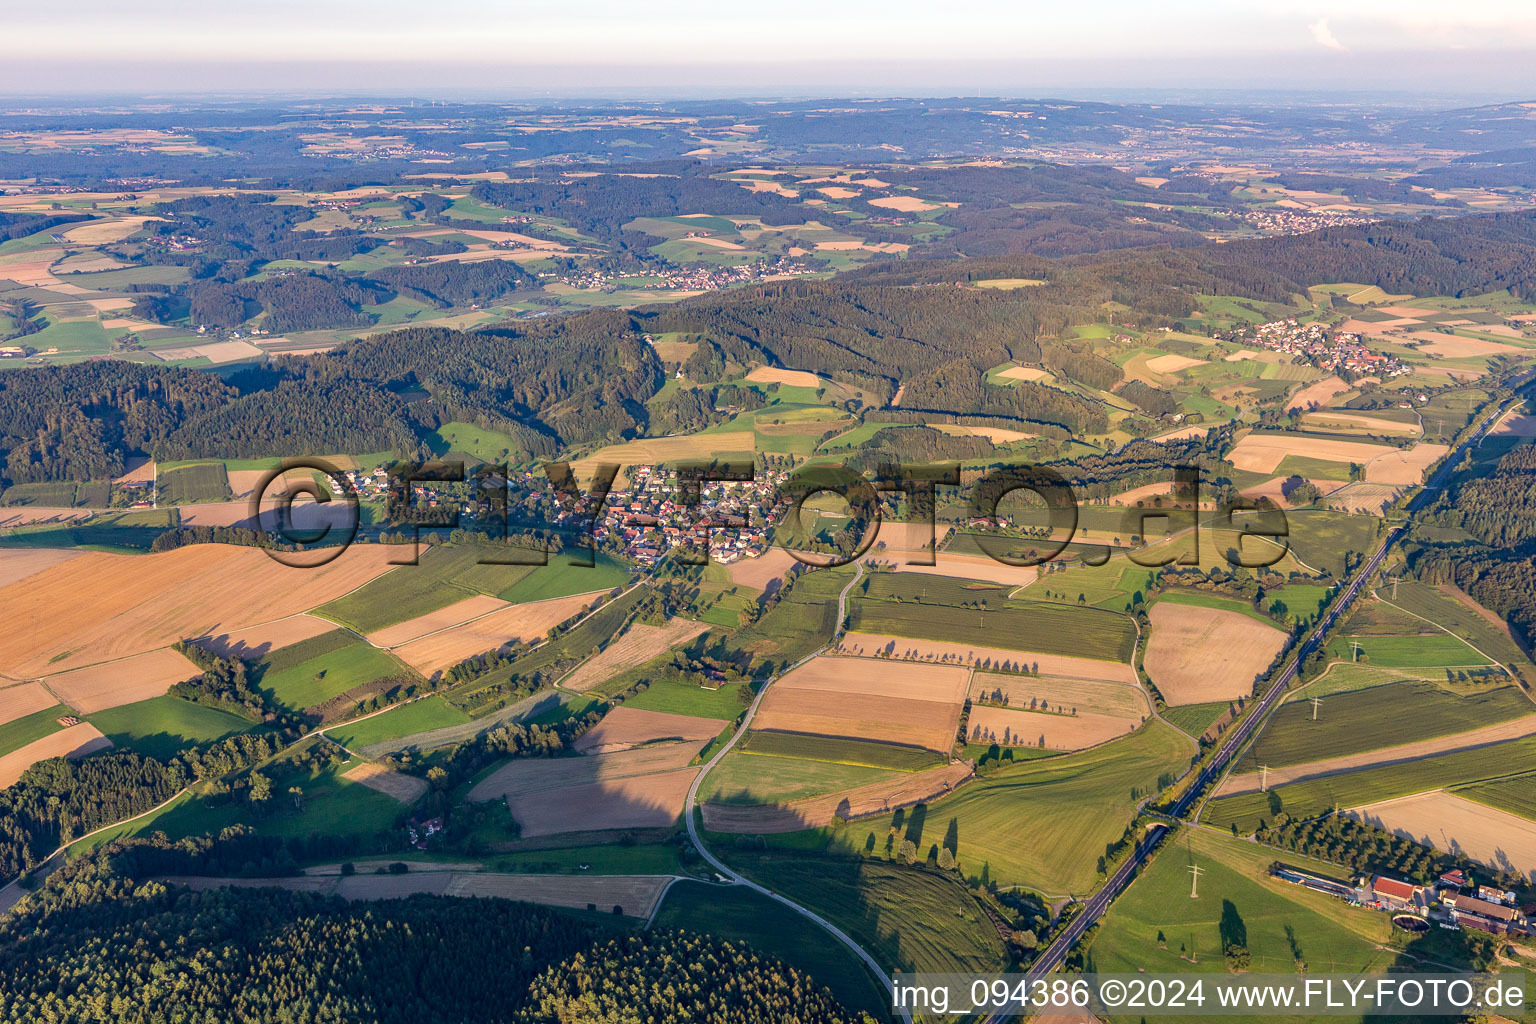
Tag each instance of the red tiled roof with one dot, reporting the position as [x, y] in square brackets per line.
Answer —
[1392, 887]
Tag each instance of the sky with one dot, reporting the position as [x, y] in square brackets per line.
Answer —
[708, 47]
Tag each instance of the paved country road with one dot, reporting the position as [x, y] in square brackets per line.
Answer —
[737, 878]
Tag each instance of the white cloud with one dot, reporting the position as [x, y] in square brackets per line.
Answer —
[1323, 35]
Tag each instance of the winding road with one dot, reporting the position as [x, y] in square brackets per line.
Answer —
[735, 877]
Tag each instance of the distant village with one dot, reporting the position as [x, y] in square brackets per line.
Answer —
[642, 520]
[1279, 221]
[647, 520]
[1333, 351]
[693, 278]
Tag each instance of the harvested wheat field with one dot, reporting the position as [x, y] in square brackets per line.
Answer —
[140, 470]
[1010, 727]
[1027, 373]
[17, 564]
[1263, 453]
[758, 572]
[636, 895]
[635, 646]
[1145, 494]
[218, 352]
[31, 515]
[238, 513]
[1197, 655]
[259, 641]
[1317, 394]
[1455, 824]
[292, 883]
[125, 681]
[1349, 422]
[650, 451]
[23, 699]
[1172, 363]
[105, 230]
[625, 728]
[99, 606]
[869, 699]
[965, 567]
[242, 482]
[985, 657]
[1183, 433]
[1488, 735]
[1404, 468]
[776, 375]
[1362, 497]
[997, 435]
[907, 547]
[880, 797]
[1274, 489]
[31, 268]
[904, 204]
[405, 788]
[75, 741]
[514, 623]
[455, 614]
[1452, 346]
[538, 775]
[1515, 424]
[389, 887]
[1117, 700]
[648, 801]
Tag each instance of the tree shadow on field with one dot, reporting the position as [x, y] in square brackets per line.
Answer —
[915, 822]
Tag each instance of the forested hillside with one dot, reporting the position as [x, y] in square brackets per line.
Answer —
[584, 379]
[99, 944]
[1498, 510]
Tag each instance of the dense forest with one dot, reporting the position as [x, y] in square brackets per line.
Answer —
[57, 800]
[601, 205]
[99, 943]
[20, 225]
[1496, 507]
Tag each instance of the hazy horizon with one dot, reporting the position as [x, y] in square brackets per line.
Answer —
[689, 48]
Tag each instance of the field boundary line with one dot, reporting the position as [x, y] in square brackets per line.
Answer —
[1376, 593]
[1404, 758]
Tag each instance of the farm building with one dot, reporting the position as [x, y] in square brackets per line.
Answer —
[1394, 894]
[1319, 883]
[1471, 912]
